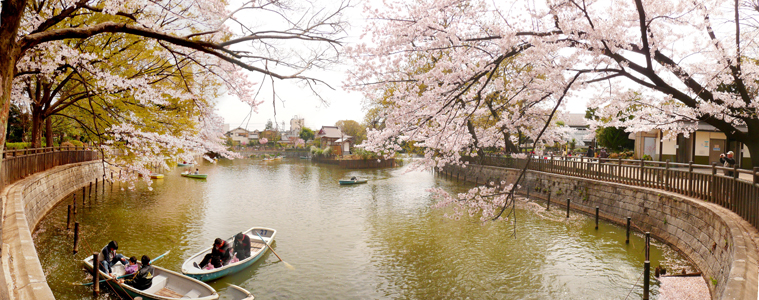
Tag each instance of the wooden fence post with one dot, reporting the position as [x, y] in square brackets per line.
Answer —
[619, 169]
[713, 180]
[690, 179]
[667, 177]
[641, 172]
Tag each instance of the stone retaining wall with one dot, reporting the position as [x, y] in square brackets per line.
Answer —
[25, 203]
[722, 245]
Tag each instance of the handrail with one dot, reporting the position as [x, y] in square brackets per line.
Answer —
[19, 163]
[713, 183]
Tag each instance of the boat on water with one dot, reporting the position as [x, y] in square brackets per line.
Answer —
[184, 164]
[258, 248]
[166, 285]
[196, 176]
[305, 157]
[238, 293]
[156, 176]
[352, 181]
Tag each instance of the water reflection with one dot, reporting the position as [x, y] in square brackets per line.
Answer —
[369, 241]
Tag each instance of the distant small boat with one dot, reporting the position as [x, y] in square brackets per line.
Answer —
[156, 176]
[238, 293]
[196, 176]
[305, 157]
[349, 182]
[257, 251]
[184, 164]
[166, 285]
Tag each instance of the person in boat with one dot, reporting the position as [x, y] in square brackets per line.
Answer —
[220, 255]
[242, 246]
[354, 178]
[143, 279]
[110, 257]
[197, 171]
[133, 266]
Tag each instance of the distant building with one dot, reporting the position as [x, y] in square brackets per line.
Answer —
[332, 136]
[701, 147]
[242, 136]
[297, 124]
[239, 135]
[582, 134]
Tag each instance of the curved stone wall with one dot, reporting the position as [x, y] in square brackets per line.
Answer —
[25, 203]
[720, 243]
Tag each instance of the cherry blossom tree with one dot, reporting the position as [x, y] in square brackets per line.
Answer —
[673, 60]
[205, 41]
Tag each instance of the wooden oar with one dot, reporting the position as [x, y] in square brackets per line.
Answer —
[289, 266]
[125, 275]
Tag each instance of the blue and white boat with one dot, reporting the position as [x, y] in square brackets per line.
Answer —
[258, 248]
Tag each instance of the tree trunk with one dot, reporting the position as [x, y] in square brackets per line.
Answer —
[49, 131]
[6, 81]
[36, 127]
[753, 148]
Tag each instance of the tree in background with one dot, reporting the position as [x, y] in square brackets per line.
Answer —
[269, 125]
[614, 139]
[19, 124]
[306, 134]
[352, 128]
[37, 36]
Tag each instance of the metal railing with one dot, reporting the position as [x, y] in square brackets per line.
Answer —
[20, 163]
[720, 185]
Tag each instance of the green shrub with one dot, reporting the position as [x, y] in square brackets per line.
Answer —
[19, 145]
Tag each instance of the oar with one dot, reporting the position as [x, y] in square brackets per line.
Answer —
[125, 275]
[289, 266]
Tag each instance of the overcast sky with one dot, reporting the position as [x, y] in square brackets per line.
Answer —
[295, 100]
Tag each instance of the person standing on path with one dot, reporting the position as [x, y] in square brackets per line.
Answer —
[727, 162]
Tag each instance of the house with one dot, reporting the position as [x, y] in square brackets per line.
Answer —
[238, 135]
[701, 147]
[242, 136]
[332, 136]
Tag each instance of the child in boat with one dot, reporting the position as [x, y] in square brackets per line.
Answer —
[143, 279]
[197, 172]
[132, 267]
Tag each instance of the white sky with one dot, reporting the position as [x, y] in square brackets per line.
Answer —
[294, 99]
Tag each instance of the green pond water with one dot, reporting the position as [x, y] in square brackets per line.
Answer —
[379, 240]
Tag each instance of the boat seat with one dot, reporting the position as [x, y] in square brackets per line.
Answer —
[158, 283]
[192, 294]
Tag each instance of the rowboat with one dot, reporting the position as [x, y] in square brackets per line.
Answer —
[196, 176]
[183, 165]
[156, 176]
[238, 293]
[304, 157]
[166, 285]
[349, 182]
[257, 251]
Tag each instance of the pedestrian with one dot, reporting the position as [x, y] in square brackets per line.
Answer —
[727, 161]
[591, 152]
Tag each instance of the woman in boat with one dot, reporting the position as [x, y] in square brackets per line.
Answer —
[143, 279]
[197, 171]
[110, 257]
[220, 255]
[242, 246]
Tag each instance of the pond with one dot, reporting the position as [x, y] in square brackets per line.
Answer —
[377, 240]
